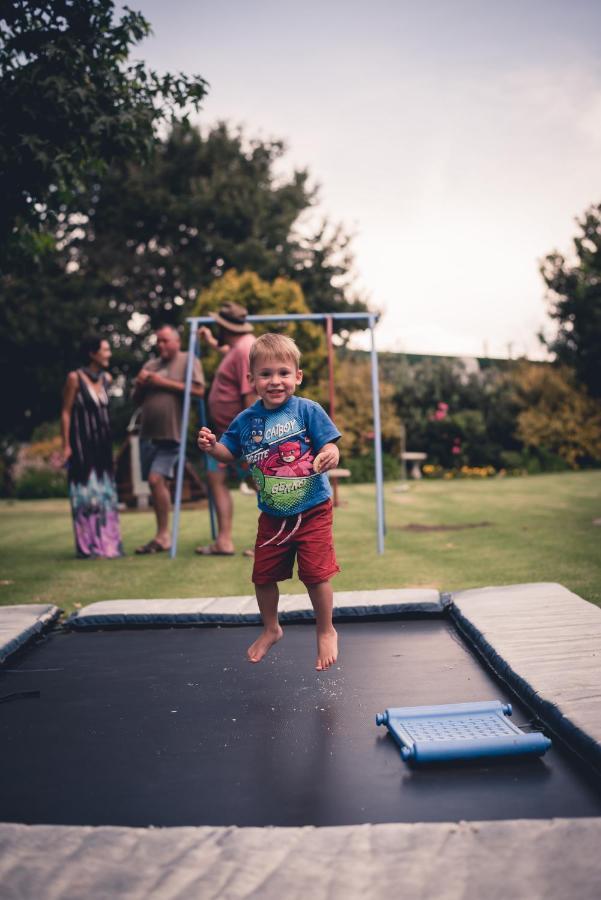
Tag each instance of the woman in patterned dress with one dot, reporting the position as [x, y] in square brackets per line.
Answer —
[88, 454]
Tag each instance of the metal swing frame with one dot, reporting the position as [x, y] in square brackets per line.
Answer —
[194, 350]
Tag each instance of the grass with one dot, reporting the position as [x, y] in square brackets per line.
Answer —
[540, 530]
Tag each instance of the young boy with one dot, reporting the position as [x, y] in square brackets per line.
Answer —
[289, 443]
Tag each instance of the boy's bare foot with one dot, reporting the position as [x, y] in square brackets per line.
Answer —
[264, 642]
[327, 649]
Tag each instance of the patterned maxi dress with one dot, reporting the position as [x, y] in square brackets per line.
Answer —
[91, 484]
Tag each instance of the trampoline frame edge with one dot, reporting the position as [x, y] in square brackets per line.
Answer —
[42, 624]
[571, 736]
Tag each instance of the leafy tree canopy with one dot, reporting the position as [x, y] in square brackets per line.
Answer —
[454, 410]
[144, 244]
[557, 414]
[354, 410]
[574, 289]
[262, 298]
[156, 235]
[42, 321]
[72, 105]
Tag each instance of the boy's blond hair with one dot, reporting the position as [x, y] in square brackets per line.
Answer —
[274, 346]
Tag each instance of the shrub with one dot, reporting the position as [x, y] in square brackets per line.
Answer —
[40, 484]
[437, 471]
[533, 461]
[354, 416]
[37, 471]
[558, 419]
[363, 468]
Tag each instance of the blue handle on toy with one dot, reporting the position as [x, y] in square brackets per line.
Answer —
[535, 744]
[445, 709]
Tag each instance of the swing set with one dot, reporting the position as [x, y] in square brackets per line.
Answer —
[194, 349]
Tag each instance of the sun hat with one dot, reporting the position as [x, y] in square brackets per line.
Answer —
[232, 317]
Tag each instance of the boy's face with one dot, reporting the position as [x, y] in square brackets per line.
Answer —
[275, 380]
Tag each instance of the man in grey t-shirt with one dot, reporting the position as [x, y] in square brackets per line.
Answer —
[159, 388]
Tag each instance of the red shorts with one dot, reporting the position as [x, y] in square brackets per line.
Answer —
[307, 536]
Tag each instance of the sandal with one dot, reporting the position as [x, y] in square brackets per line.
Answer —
[212, 550]
[151, 547]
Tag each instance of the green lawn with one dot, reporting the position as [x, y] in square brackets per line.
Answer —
[540, 530]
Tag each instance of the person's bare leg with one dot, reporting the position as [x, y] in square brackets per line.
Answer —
[267, 598]
[322, 598]
[224, 508]
[161, 501]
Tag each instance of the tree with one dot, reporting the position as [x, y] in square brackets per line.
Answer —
[262, 297]
[454, 410]
[146, 241]
[574, 292]
[72, 106]
[354, 410]
[158, 234]
[557, 414]
[42, 321]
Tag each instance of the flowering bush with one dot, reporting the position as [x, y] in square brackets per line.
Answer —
[440, 413]
[459, 412]
[436, 471]
[39, 455]
[38, 471]
[476, 472]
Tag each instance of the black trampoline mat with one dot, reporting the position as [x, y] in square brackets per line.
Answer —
[173, 727]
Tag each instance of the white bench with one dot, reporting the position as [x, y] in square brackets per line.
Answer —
[415, 458]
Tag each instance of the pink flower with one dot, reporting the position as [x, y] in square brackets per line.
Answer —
[456, 449]
[443, 406]
[439, 415]
[56, 461]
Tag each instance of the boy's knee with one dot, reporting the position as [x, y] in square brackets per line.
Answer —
[155, 478]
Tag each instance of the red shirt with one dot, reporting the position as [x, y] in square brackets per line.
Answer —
[231, 384]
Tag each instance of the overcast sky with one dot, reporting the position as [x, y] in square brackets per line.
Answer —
[458, 140]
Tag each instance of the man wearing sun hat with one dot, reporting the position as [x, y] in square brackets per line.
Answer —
[230, 393]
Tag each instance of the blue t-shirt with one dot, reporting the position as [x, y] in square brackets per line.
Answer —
[279, 446]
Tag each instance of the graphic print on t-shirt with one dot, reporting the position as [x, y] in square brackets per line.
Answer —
[280, 457]
[255, 439]
[279, 446]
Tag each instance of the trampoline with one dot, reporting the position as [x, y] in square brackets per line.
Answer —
[146, 714]
[171, 726]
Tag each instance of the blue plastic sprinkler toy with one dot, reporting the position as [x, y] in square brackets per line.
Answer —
[459, 731]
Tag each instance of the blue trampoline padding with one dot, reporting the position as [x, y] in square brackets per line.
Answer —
[459, 731]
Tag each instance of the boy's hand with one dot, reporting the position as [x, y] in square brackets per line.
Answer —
[327, 458]
[206, 440]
